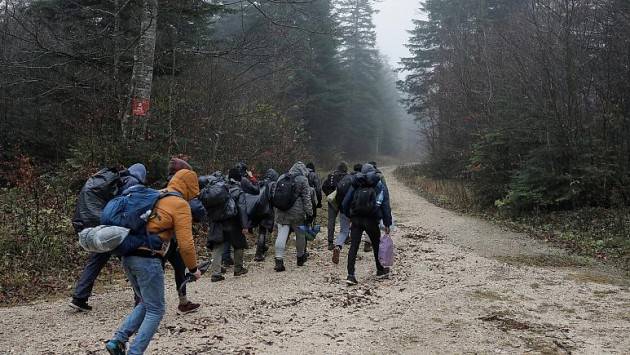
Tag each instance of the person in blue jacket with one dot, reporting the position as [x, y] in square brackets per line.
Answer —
[367, 203]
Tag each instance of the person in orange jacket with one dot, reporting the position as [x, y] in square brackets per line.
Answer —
[171, 218]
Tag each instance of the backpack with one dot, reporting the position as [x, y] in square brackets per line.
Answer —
[343, 186]
[217, 200]
[285, 194]
[132, 210]
[259, 206]
[364, 199]
[97, 191]
[331, 182]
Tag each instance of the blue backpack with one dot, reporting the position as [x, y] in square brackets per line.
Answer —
[132, 210]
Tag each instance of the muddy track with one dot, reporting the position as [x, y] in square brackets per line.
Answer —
[460, 285]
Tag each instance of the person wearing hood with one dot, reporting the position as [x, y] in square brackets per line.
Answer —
[330, 186]
[296, 216]
[198, 213]
[265, 227]
[136, 174]
[231, 231]
[171, 219]
[367, 203]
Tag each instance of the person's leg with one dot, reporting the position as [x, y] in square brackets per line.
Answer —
[215, 266]
[92, 269]
[355, 232]
[150, 278]
[132, 323]
[300, 244]
[332, 219]
[344, 230]
[281, 240]
[179, 269]
[239, 268]
[374, 233]
[227, 255]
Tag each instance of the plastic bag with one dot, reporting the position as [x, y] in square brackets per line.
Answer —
[386, 251]
[102, 239]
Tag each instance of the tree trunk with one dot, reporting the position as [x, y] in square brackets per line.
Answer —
[134, 122]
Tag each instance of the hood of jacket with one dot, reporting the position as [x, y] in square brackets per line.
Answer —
[368, 168]
[271, 175]
[186, 183]
[138, 171]
[298, 169]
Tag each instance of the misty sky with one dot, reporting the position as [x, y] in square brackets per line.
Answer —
[392, 23]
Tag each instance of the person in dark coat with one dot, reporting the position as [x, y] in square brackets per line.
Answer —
[265, 227]
[329, 186]
[230, 231]
[368, 223]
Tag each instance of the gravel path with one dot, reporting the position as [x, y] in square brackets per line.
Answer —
[460, 285]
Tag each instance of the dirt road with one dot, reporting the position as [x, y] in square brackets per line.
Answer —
[460, 285]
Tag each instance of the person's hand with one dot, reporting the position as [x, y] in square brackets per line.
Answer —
[387, 230]
[197, 274]
[249, 173]
[245, 232]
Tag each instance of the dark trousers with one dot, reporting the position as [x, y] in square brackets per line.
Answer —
[360, 225]
[332, 219]
[227, 252]
[179, 268]
[92, 269]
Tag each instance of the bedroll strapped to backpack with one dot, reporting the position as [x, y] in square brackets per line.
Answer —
[95, 193]
[284, 194]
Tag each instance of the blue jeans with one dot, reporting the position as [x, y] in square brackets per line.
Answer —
[95, 264]
[344, 230]
[146, 276]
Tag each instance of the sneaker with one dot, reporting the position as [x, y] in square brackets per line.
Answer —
[80, 305]
[188, 308]
[240, 271]
[217, 278]
[382, 274]
[301, 260]
[351, 280]
[279, 265]
[115, 347]
[331, 246]
[367, 247]
[336, 253]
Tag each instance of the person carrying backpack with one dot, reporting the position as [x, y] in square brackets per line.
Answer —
[170, 217]
[97, 191]
[231, 230]
[291, 198]
[343, 187]
[328, 187]
[265, 227]
[367, 203]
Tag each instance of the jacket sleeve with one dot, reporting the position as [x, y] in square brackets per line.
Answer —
[182, 225]
[242, 211]
[250, 187]
[386, 209]
[318, 189]
[197, 210]
[345, 204]
[305, 195]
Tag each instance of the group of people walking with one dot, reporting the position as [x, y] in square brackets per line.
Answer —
[234, 206]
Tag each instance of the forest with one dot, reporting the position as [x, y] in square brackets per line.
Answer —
[92, 83]
[527, 103]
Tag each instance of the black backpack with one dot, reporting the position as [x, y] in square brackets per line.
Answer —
[343, 186]
[331, 182]
[364, 201]
[284, 194]
[99, 189]
[217, 200]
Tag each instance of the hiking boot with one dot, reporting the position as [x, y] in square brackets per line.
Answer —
[279, 265]
[351, 280]
[331, 246]
[115, 347]
[217, 278]
[301, 260]
[336, 253]
[382, 274]
[240, 271]
[188, 308]
[80, 305]
[223, 270]
[228, 262]
[367, 247]
[260, 254]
